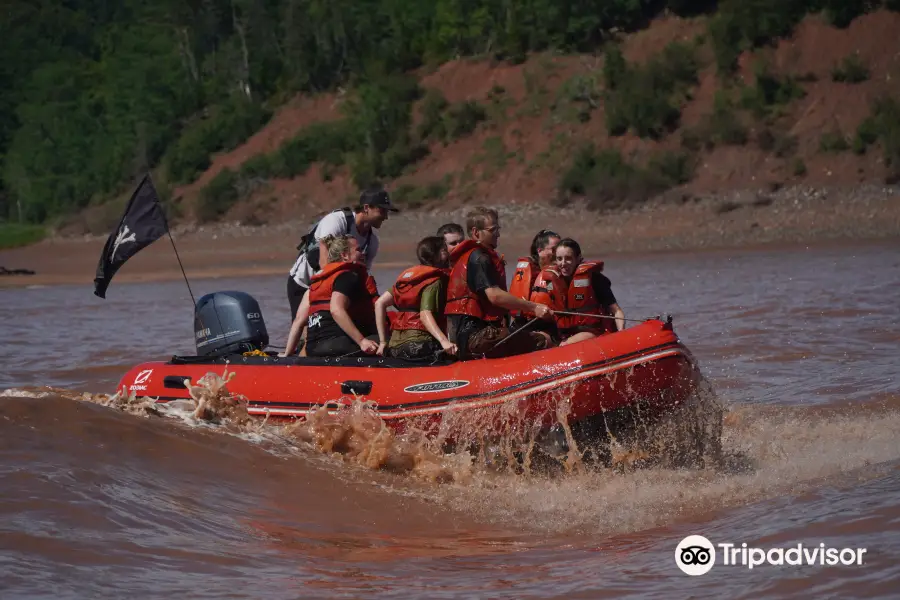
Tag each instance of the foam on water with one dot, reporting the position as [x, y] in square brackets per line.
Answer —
[701, 458]
[764, 455]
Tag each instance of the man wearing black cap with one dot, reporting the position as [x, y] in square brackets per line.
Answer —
[360, 222]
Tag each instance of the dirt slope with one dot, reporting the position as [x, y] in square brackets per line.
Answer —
[537, 140]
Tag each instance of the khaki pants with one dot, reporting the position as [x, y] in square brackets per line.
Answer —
[483, 342]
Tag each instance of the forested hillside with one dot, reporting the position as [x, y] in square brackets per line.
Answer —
[94, 92]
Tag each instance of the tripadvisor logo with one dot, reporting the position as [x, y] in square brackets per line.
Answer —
[696, 555]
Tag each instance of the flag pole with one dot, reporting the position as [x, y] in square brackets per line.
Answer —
[171, 239]
[178, 257]
[181, 265]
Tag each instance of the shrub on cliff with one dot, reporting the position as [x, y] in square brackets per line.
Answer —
[770, 91]
[851, 69]
[744, 24]
[606, 180]
[644, 98]
[228, 125]
[886, 113]
[841, 13]
[218, 196]
[722, 127]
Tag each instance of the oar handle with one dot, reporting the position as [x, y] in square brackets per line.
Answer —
[522, 328]
[596, 316]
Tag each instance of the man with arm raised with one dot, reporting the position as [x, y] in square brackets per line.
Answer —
[478, 302]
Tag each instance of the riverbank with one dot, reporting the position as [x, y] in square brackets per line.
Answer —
[673, 222]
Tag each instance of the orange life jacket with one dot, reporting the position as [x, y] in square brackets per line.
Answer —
[321, 285]
[407, 295]
[580, 298]
[550, 289]
[523, 280]
[463, 301]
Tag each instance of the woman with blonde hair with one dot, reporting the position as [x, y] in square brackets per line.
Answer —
[339, 309]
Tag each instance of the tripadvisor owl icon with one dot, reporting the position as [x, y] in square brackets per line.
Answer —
[695, 555]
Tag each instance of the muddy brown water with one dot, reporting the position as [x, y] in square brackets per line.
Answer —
[801, 344]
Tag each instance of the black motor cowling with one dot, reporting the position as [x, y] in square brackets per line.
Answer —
[228, 323]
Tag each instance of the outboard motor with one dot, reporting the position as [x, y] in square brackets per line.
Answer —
[228, 323]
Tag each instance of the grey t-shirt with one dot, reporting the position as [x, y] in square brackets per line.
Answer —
[335, 224]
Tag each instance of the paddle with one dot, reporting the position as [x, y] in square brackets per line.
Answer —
[522, 328]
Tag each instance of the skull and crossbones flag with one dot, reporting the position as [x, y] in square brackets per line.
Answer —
[143, 223]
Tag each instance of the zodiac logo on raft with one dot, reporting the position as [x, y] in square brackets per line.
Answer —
[696, 555]
[435, 386]
[140, 380]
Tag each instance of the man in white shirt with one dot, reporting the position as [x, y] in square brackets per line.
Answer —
[360, 222]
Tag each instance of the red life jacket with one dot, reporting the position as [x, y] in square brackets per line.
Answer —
[580, 298]
[523, 280]
[321, 286]
[550, 289]
[407, 295]
[463, 301]
[371, 288]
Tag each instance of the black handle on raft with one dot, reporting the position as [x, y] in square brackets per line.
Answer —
[175, 382]
[360, 388]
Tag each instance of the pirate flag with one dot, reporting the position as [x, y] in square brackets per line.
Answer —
[142, 224]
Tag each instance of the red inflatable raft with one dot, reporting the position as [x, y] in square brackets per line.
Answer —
[644, 366]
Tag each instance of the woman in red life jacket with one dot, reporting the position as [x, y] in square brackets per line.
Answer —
[417, 329]
[588, 291]
[543, 249]
[477, 300]
[341, 303]
[550, 289]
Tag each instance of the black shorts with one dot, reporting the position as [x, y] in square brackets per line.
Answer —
[335, 346]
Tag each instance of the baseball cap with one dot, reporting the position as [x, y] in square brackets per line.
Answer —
[377, 196]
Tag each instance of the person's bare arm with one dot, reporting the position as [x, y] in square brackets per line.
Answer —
[381, 305]
[431, 325]
[498, 297]
[339, 305]
[297, 326]
[620, 316]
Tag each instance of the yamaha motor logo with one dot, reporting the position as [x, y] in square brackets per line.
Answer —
[435, 386]
[695, 555]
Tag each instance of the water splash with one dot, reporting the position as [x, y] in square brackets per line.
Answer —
[360, 436]
[687, 436]
[465, 445]
[210, 403]
[702, 456]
